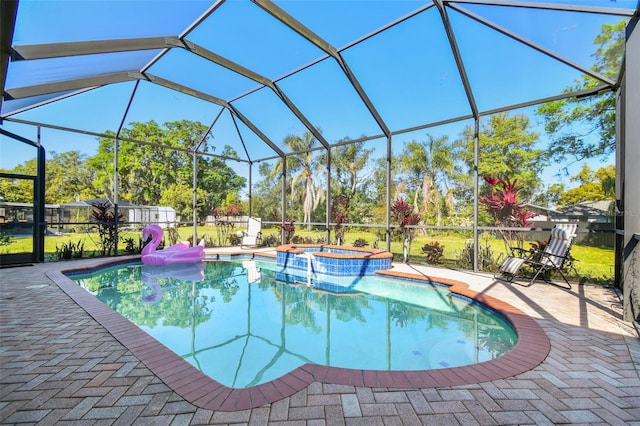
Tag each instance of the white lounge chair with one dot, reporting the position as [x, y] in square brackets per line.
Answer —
[253, 235]
[552, 258]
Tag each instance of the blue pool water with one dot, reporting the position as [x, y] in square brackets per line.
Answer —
[247, 322]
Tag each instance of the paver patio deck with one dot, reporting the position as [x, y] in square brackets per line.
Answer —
[60, 366]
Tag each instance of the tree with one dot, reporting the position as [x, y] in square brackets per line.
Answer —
[218, 180]
[180, 197]
[427, 168]
[593, 186]
[102, 165]
[68, 178]
[233, 206]
[339, 216]
[18, 190]
[107, 223]
[266, 194]
[502, 205]
[378, 188]
[301, 170]
[145, 171]
[586, 128]
[508, 149]
[401, 212]
[149, 175]
[550, 196]
[349, 178]
[348, 175]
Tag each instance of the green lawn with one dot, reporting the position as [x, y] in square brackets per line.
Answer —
[593, 264]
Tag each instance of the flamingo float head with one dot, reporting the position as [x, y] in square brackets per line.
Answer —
[154, 231]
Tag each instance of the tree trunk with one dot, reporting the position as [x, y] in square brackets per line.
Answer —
[406, 249]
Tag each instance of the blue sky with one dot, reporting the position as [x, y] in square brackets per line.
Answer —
[408, 71]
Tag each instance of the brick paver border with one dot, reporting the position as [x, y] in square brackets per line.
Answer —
[532, 348]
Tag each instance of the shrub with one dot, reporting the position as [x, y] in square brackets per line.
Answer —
[486, 262]
[339, 212]
[434, 252]
[70, 250]
[320, 240]
[536, 248]
[289, 231]
[360, 242]
[107, 224]
[402, 212]
[172, 235]
[502, 204]
[5, 238]
[271, 240]
[132, 246]
[234, 240]
[224, 230]
[297, 239]
[210, 241]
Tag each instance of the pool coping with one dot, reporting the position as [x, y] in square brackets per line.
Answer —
[532, 348]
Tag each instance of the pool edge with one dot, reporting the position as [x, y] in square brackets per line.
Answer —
[532, 348]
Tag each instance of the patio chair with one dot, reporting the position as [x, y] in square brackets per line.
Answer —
[253, 235]
[551, 259]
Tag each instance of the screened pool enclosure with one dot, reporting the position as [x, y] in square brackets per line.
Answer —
[323, 115]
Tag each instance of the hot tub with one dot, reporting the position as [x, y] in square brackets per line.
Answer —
[339, 261]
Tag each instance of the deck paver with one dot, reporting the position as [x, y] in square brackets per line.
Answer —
[351, 405]
[60, 366]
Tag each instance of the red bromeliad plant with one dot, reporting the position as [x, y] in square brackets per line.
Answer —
[402, 212]
[339, 210]
[503, 206]
[288, 228]
[107, 223]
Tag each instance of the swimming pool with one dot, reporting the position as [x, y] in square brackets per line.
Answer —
[247, 322]
[201, 390]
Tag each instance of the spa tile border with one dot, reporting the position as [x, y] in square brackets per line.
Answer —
[366, 253]
[200, 390]
[332, 260]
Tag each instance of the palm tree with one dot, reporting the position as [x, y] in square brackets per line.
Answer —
[348, 164]
[428, 166]
[302, 168]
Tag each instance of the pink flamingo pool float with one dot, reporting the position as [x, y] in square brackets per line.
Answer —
[175, 254]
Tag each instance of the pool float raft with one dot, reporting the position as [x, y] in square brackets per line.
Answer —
[175, 254]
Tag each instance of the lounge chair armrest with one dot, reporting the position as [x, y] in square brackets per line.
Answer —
[520, 252]
[556, 256]
[545, 254]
